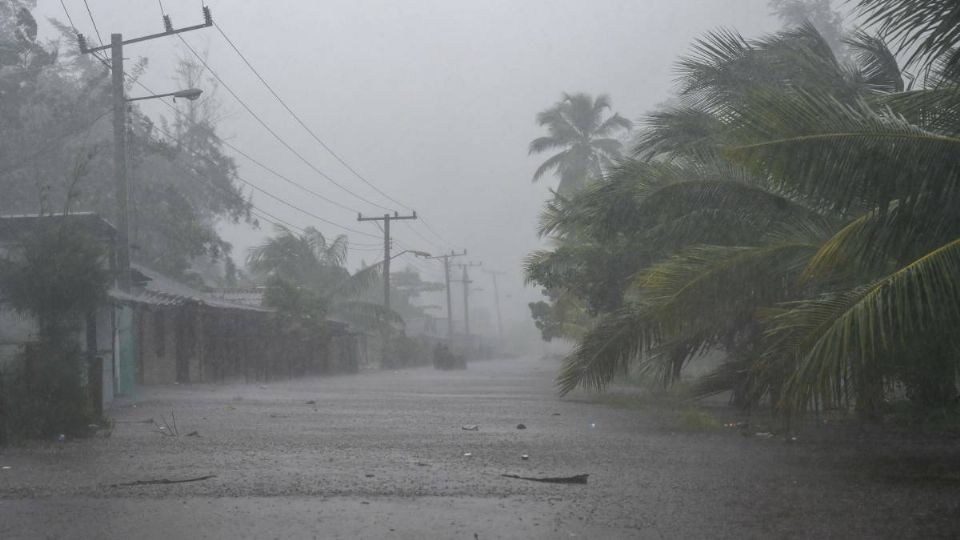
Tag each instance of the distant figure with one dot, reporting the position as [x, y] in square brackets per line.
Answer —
[444, 359]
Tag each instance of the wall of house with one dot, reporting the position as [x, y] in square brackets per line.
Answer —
[157, 344]
[15, 330]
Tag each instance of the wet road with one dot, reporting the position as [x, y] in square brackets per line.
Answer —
[382, 455]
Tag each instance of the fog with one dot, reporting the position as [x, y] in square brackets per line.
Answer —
[431, 101]
[702, 265]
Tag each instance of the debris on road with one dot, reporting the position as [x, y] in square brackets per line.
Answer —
[468, 454]
[369, 475]
[163, 481]
[521, 426]
[5, 468]
[524, 457]
[193, 434]
[576, 479]
[763, 435]
[470, 427]
[312, 402]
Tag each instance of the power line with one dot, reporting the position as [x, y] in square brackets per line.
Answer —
[315, 136]
[424, 238]
[303, 124]
[435, 233]
[177, 111]
[271, 131]
[95, 29]
[262, 214]
[271, 195]
[252, 159]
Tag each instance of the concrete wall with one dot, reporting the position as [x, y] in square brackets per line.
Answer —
[157, 344]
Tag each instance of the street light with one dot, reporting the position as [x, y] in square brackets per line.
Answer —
[190, 93]
[120, 159]
[416, 253]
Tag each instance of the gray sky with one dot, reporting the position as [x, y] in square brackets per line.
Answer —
[431, 100]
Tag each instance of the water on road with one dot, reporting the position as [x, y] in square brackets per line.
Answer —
[385, 455]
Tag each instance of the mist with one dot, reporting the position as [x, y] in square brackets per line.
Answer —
[502, 269]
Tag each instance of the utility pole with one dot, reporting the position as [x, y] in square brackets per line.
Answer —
[446, 277]
[496, 300]
[466, 295]
[386, 219]
[119, 133]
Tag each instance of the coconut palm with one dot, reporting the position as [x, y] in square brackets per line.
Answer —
[306, 279]
[307, 259]
[846, 283]
[576, 126]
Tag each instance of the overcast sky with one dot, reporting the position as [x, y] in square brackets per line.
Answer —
[431, 100]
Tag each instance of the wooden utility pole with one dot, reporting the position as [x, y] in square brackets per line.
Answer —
[386, 219]
[119, 133]
[496, 300]
[446, 277]
[466, 295]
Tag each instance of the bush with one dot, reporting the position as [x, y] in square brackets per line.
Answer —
[57, 276]
[45, 394]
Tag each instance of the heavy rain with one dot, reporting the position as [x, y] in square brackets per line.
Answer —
[482, 270]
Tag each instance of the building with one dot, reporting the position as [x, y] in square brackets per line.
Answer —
[163, 331]
[96, 333]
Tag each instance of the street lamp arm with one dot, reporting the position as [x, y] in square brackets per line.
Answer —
[417, 253]
[190, 93]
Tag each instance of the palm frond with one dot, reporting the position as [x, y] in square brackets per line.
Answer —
[542, 144]
[607, 350]
[709, 289]
[878, 65]
[928, 28]
[808, 141]
[839, 340]
[555, 162]
[353, 285]
[613, 123]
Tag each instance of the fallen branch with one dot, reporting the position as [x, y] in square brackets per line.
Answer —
[577, 479]
[163, 481]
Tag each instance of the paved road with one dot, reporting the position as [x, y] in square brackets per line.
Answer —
[382, 455]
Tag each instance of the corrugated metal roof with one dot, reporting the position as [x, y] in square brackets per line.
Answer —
[161, 290]
[11, 226]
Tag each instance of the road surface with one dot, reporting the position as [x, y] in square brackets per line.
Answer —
[385, 455]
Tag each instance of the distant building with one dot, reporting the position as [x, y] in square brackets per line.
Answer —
[164, 331]
[98, 332]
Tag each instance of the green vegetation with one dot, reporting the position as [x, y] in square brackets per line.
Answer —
[307, 283]
[55, 105]
[58, 277]
[577, 127]
[792, 208]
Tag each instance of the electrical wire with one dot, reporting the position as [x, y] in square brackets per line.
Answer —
[95, 29]
[325, 146]
[271, 195]
[271, 131]
[302, 123]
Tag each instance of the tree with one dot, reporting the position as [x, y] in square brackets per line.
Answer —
[797, 214]
[55, 104]
[820, 13]
[306, 279]
[57, 275]
[576, 126]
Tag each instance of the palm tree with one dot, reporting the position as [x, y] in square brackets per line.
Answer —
[308, 259]
[577, 127]
[306, 279]
[844, 281]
